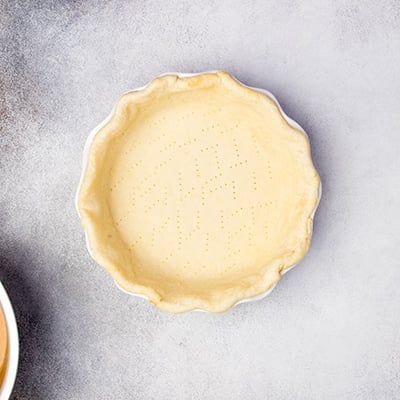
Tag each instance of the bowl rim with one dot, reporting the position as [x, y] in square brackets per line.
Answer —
[94, 131]
[13, 345]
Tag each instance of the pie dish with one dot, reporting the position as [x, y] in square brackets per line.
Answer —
[9, 346]
[197, 192]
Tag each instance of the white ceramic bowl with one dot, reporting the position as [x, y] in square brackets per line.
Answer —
[93, 133]
[13, 346]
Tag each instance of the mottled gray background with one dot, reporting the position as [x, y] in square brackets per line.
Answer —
[331, 329]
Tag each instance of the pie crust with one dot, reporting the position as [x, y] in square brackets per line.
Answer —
[198, 193]
[3, 346]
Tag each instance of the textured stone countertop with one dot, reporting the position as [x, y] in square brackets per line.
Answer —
[331, 328]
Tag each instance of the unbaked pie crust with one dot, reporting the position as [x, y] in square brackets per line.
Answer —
[198, 193]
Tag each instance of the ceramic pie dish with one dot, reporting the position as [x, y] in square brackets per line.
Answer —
[198, 192]
[9, 346]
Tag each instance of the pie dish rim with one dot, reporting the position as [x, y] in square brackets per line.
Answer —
[288, 119]
[13, 345]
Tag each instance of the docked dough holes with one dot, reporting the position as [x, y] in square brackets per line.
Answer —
[201, 195]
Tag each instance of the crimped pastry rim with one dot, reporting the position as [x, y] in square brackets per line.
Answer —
[91, 137]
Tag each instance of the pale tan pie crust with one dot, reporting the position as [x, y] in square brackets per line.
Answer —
[197, 193]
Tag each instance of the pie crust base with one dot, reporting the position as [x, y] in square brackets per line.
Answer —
[198, 193]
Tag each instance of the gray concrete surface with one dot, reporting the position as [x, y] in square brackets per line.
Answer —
[331, 329]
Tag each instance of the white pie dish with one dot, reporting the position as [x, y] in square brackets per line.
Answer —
[184, 75]
[13, 346]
